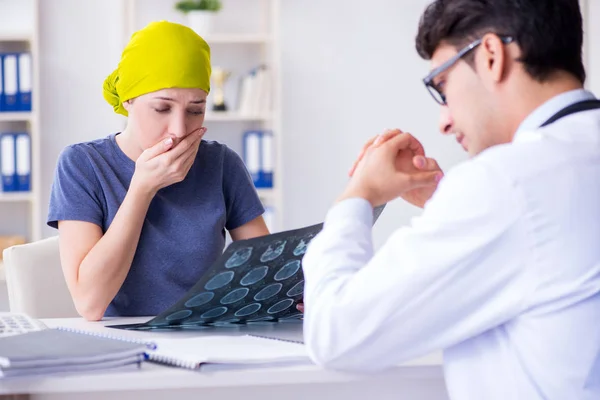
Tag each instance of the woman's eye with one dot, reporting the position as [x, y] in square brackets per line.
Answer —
[196, 112]
[162, 110]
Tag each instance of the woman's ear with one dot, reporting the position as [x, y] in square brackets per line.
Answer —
[127, 104]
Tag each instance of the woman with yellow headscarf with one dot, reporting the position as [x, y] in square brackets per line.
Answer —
[142, 214]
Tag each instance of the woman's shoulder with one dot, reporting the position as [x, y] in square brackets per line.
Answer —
[82, 150]
[213, 146]
[216, 151]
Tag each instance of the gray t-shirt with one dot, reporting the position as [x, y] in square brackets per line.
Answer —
[184, 229]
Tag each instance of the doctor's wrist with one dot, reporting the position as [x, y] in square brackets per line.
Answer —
[357, 193]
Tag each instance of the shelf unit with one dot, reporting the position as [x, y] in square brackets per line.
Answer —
[16, 116]
[238, 39]
[236, 44]
[17, 197]
[16, 36]
[212, 116]
[19, 31]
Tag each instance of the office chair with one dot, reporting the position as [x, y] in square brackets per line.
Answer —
[36, 284]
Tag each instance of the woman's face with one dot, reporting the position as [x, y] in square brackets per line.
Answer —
[165, 113]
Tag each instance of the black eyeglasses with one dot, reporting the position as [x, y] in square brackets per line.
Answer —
[436, 93]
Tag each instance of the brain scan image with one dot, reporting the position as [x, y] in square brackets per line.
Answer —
[273, 251]
[254, 281]
[239, 257]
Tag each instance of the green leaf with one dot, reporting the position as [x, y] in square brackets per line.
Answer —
[186, 6]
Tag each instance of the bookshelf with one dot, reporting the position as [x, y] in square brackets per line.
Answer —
[238, 39]
[16, 197]
[245, 35]
[21, 212]
[16, 37]
[16, 116]
[226, 116]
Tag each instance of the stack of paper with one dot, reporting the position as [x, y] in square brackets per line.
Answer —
[53, 351]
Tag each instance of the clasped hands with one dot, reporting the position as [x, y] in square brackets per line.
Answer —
[393, 165]
[389, 166]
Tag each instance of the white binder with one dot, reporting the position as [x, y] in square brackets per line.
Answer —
[23, 147]
[252, 154]
[10, 82]
[267, 159]
[7, 162]
[24, 102]
[1, 82]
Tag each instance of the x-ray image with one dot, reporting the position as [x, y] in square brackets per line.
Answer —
[258, 280]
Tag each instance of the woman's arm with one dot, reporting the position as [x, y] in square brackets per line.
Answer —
[249, 230]
[95, 265]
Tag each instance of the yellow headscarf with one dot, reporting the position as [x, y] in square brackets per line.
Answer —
[162, 55]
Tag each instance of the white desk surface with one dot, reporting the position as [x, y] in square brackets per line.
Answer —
[156, 377]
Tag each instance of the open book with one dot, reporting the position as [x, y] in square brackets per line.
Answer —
[254, 281]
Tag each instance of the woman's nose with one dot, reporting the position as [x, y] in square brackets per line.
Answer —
[177, 127]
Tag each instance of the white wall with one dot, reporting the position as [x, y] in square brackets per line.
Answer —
[80, 44]
[592, 46]
[350, 72]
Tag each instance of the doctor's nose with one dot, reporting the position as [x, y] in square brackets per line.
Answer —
[445, 123]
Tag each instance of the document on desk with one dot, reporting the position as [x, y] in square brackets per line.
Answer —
[192, 353]
[53, 351]
[254, 281]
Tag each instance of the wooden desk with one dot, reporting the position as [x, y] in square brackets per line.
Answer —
[418, 380]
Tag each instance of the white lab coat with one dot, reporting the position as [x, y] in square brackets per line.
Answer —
[501, 271]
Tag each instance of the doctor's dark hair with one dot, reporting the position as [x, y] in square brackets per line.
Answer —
[549, 32]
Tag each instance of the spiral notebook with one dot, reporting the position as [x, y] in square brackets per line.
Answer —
[286, 336]
[150, 345]
[192, 353]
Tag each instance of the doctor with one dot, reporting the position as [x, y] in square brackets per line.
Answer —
[502, 269]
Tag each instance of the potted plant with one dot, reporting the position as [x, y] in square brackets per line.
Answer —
[200, 14]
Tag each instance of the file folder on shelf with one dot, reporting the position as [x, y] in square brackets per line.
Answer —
[24, 87]
[266, 157]
[2, 100]
[10, 73]
[258, 156]
[23, 162]
[252, 154]
[8, 162]
[15, 82]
